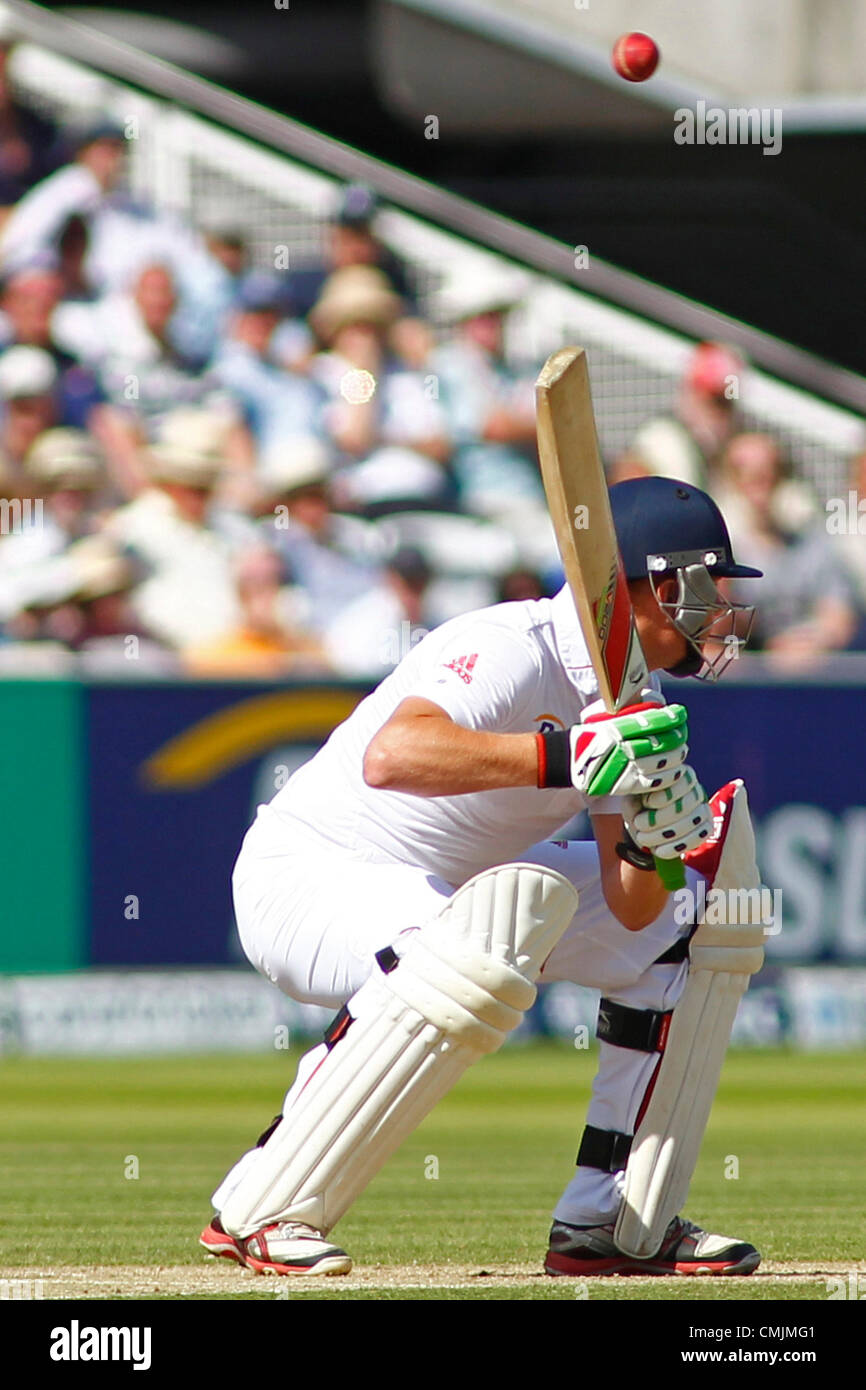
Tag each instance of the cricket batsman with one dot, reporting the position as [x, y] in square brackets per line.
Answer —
[405, 877]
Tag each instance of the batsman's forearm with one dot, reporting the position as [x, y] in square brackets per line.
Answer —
[435, 757]
[635, 897]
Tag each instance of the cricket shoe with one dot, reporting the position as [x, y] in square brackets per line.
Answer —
[217, 1241]
[286, 1247]
[686, 1249]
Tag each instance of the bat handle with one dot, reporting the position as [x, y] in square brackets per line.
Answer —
[671, 872]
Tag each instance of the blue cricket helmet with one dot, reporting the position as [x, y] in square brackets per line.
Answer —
[662, 524]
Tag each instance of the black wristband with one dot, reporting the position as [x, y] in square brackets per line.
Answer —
[554, 759]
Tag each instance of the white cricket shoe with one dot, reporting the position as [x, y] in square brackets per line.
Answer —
[288, 1247]
[686, 1249]
[285, 1247]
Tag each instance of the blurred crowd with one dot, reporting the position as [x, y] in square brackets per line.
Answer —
[215, 469]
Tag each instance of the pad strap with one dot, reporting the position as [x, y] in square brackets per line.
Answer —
[607, 1149]
[336, 1029]
[678, 952]
[641, 1030]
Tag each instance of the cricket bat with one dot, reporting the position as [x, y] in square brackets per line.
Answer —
[576, 490]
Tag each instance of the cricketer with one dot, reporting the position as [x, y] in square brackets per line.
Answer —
[405, 876]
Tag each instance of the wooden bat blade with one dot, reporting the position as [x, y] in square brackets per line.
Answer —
[576, 490]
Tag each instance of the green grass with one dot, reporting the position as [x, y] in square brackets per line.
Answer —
[504, 1142]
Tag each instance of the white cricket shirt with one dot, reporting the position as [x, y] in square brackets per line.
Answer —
[514, 668]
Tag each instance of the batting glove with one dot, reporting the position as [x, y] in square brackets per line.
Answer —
[632, 753]
[671, 821]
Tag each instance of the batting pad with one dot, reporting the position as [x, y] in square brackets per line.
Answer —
[665, 1148]
[462, 984]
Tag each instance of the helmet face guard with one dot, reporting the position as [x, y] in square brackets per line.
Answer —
[701, 613]
[670, 529]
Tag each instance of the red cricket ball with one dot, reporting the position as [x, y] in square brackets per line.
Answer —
[635, 57]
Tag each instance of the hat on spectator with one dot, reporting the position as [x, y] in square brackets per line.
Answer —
[294, 462]
[711, 367]
[65, 458]
[354, 294]
[26, 371]
[357, 207]
[190, 447]
[481, 289]
[195, 428]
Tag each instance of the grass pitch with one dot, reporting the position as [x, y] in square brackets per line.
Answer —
[108, 1166]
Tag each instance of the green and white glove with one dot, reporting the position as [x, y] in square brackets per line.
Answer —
[673, 820]
[633, 753]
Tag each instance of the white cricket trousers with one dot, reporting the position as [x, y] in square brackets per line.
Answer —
[311, 917]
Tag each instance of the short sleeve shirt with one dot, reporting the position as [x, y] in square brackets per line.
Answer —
[514, 668]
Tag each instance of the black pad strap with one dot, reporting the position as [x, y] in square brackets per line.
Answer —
[676, 953]
[641, 1030]
[337, 1027]
[607, 1149]
[680, 949]
[265, 1136]
[387, 959]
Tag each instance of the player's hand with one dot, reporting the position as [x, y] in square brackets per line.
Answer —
[632, 753]
[672, 821]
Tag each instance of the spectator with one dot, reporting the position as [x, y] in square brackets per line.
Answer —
[687, 443]
[29, 143]
[189, 596]
[331, 558]
[64, 471]
[87, 187]
[793, 504]
[29, 299]
[109, 638]
[128, 340]
[351, 240]
[491, 406]
[375, 403]
[28, 380]
[847, 529]
[804, 604]
[374, 632]
[123, 236]
[275, 401]
[265, 644]
[211, 279]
